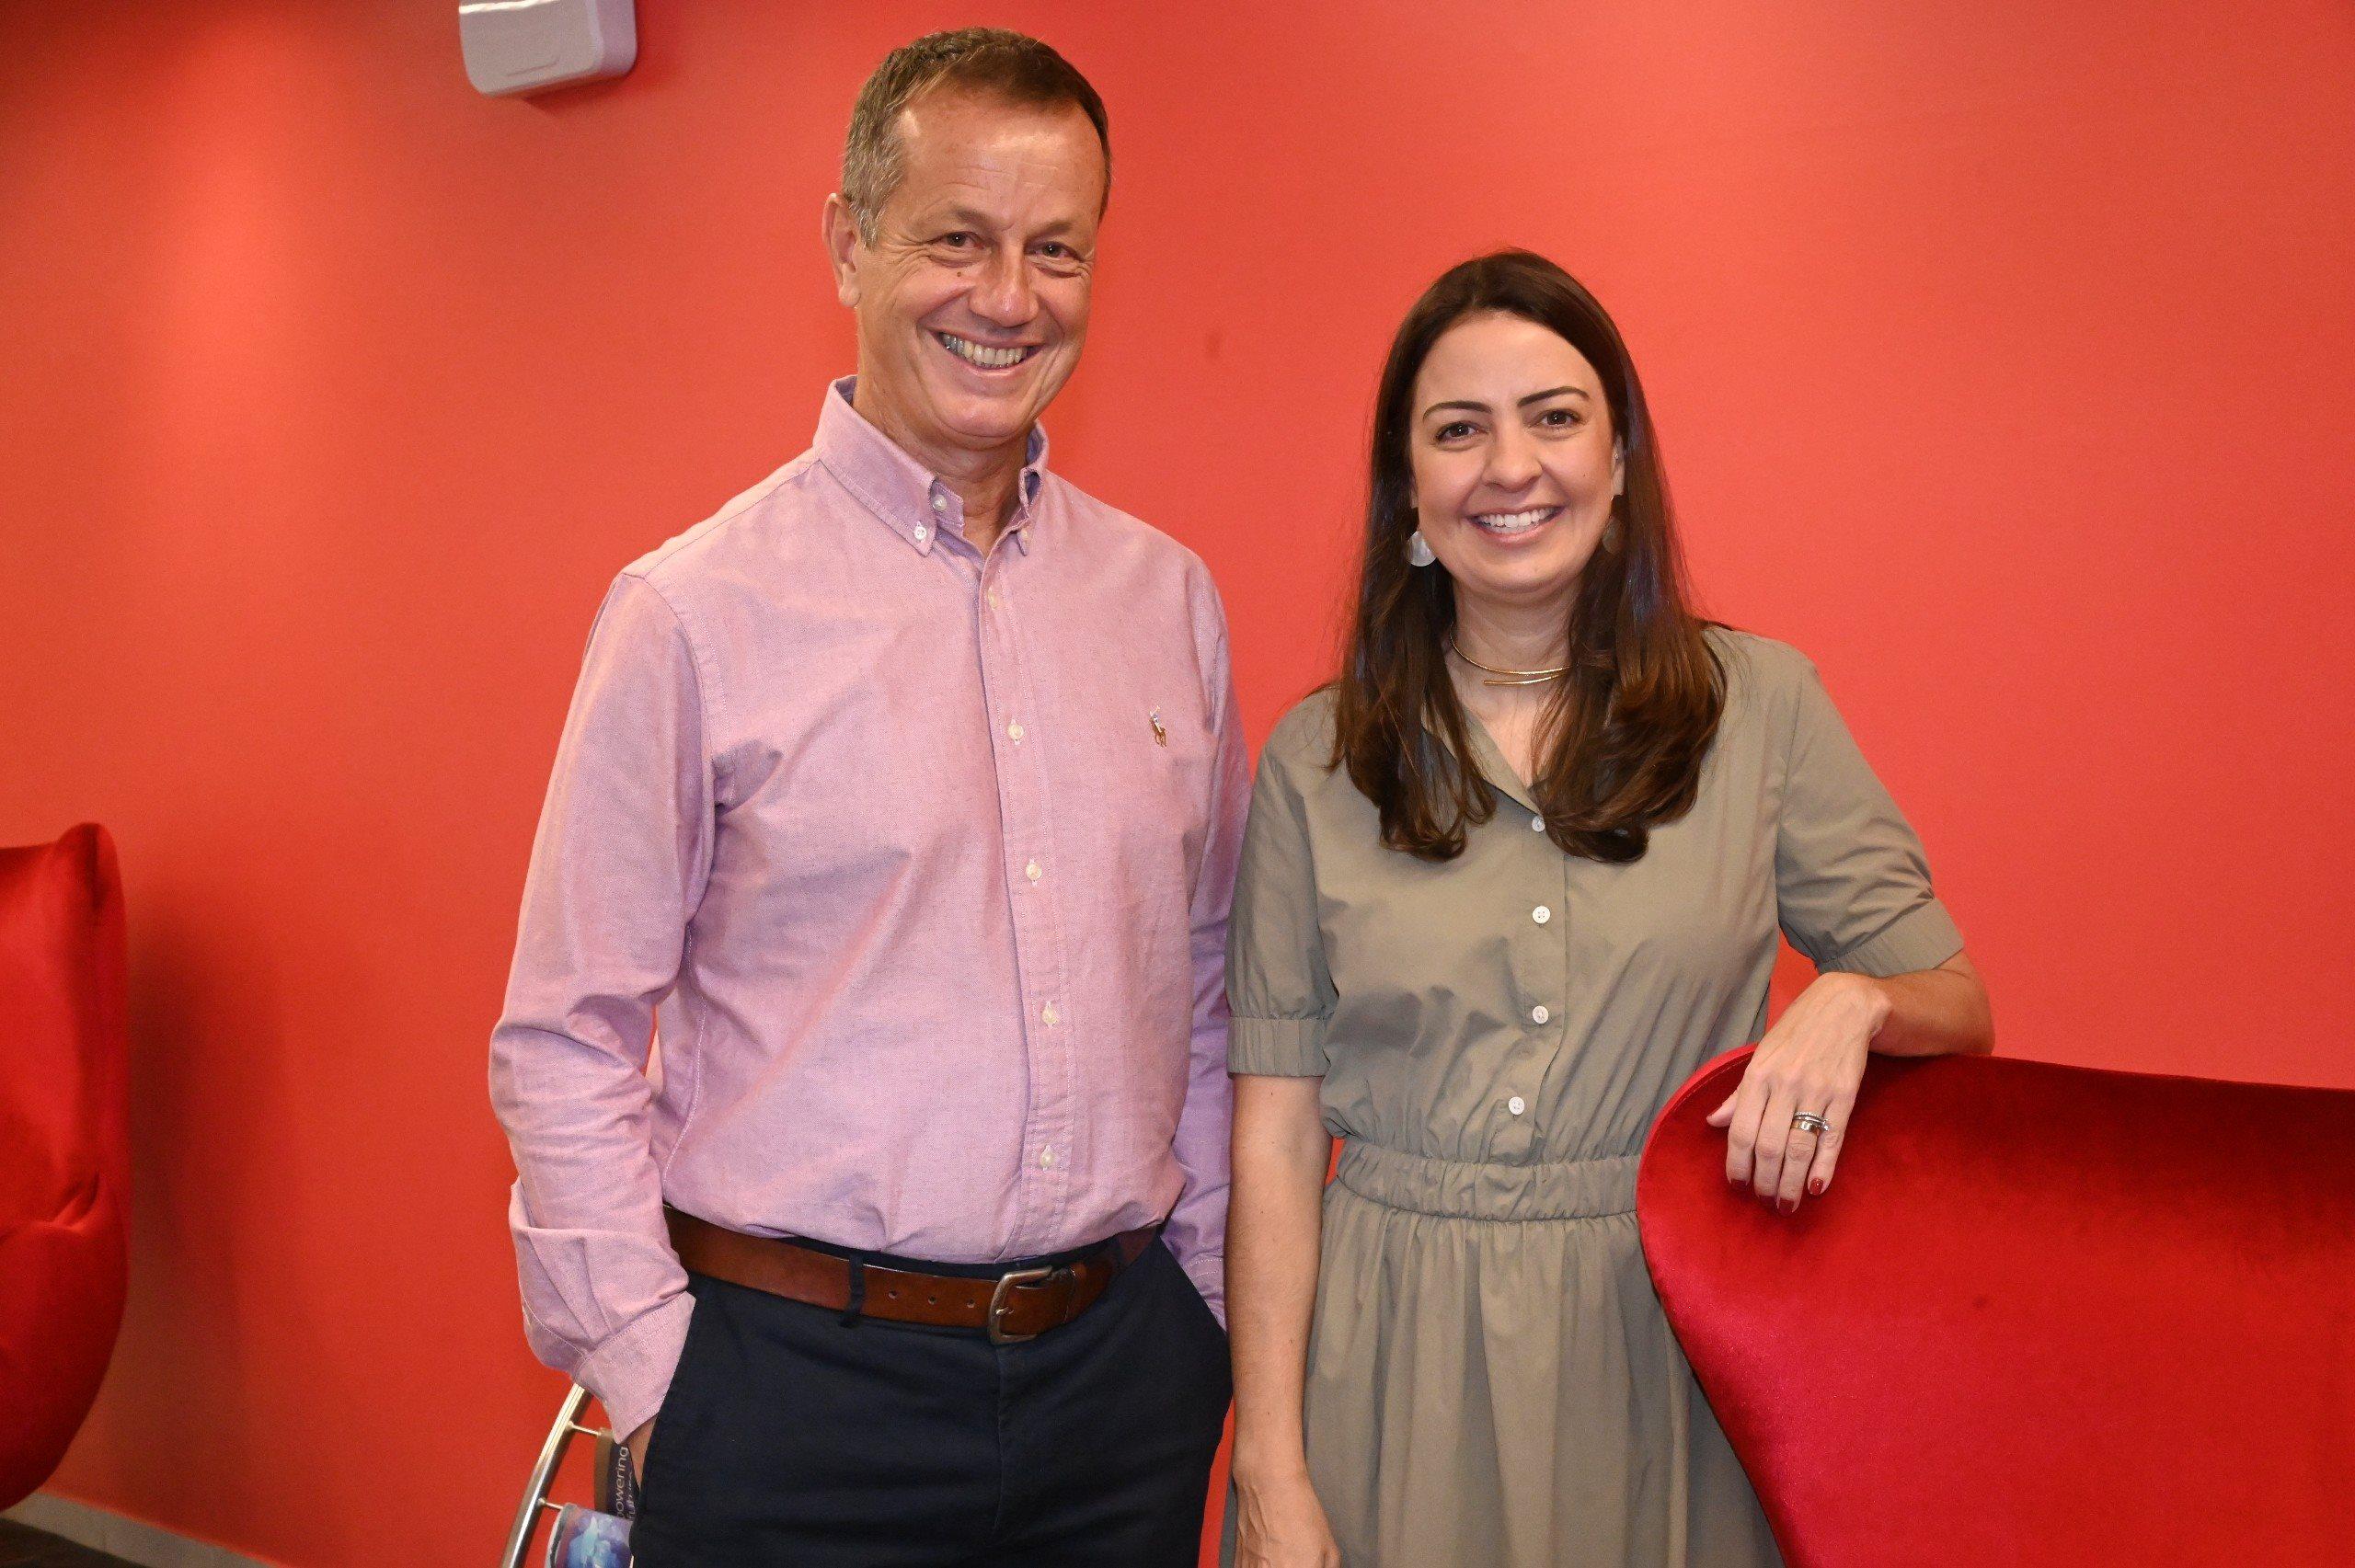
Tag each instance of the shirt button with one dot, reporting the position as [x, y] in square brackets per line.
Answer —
[1051, 1016]
[941, 503]
[923, 533]
[1014, 733]
[991, 594]
[1516, 1104]
[1538, 1015]
[1046, 1159]
[1541, 914]
[1032, 871]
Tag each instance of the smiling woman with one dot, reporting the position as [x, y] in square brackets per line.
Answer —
[1506, 883]
[1511, 438]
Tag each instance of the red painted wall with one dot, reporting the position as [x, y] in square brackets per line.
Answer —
[2002, 352]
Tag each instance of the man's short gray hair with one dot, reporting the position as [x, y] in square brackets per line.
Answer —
[1011, 65]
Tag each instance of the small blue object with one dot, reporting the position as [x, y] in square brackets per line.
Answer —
[584, 1537]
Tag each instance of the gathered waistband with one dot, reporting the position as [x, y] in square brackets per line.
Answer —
[1568, 1189]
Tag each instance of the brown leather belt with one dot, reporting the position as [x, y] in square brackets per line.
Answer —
[1021, 1304]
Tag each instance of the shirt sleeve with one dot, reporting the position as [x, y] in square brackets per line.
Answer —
[1850, 877]
[1277, 984]
[1197, 1229]
[617, 868]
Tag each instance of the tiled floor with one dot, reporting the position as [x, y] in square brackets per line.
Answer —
[22, 1547]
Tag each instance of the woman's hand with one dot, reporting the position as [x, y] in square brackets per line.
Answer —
[1282, 1524]
[1274, 1226]
[1812, 1060]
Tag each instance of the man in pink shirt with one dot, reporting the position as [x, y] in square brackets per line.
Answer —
[905, 793]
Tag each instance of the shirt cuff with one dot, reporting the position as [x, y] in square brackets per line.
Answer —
[1279, 1047]
[631, 1373]
[1922, 938]
[1208, 1271]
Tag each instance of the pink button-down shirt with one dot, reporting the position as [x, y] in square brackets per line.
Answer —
[922, 857]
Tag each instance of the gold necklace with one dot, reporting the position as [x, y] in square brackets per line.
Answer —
[1509, 676]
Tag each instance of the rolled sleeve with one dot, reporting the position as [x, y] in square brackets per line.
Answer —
[1852, 882]
[1279, 989]
[1280, 1047]
[1922, 938]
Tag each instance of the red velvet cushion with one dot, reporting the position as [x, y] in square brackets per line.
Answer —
[2046, 1315]
[63, 1147]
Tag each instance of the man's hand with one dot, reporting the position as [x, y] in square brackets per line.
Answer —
[636, 1443]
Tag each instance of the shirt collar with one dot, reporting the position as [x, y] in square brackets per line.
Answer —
[915, 503]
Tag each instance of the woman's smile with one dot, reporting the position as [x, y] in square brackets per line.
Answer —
[1513, 525]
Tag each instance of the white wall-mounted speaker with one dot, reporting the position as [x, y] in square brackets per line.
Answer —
[529, 46]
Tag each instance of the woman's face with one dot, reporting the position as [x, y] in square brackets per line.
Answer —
[1514, 461]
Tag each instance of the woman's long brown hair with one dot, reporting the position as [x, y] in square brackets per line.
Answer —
[1623, 740]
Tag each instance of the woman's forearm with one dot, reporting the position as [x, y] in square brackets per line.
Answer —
[1939, 1012]
[1282, 1154]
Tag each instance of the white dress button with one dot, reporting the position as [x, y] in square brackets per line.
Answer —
[941, 503]
[923, 533]
[1516, 1104]
[1047, 1158]
[992, 596]
[1032, 871]
[1051, 1016]
[1014, 733]
[1541, 914]
[1538, 1015]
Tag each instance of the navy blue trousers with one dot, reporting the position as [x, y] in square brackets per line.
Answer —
[791, 1436]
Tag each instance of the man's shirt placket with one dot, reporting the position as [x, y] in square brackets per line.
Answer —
[1020, 734]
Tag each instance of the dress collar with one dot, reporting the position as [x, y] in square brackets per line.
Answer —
[1489, 757]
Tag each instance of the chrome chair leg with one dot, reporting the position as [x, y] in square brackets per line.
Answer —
[536, 1496]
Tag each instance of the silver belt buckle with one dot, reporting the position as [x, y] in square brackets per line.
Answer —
[1001, 1298]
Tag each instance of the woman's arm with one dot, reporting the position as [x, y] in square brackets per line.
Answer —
[1281, 1155]
[1813, 1060]
[1929, 1012]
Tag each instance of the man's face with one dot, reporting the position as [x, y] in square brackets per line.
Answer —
[972, 300]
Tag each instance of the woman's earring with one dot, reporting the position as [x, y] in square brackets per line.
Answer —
[1418, 550]
[1611, 537]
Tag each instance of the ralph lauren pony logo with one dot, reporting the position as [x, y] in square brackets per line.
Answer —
[1160, 732]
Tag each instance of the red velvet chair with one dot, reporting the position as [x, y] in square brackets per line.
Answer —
[64, 1153]
[2045, 1316]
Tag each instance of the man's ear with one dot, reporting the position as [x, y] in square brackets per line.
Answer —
[839, 232]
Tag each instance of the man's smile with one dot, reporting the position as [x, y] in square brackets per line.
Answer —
[982, 355]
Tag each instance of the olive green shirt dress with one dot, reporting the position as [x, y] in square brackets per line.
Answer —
[1490, 1379]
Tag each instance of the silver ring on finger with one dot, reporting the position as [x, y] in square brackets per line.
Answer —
[1807, 1121]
